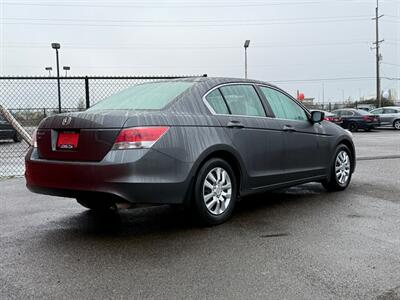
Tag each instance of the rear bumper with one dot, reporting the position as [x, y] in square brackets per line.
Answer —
[136, 176]
[368, 125]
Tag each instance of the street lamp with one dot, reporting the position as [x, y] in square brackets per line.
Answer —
[66, 69]
[57, 46]
[49, 69]
[246, 45]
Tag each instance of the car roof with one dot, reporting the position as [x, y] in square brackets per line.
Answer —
[222, 80]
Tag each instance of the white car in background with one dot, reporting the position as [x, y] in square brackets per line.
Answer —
[389, 115]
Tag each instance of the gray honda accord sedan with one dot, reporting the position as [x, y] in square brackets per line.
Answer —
[202, 142]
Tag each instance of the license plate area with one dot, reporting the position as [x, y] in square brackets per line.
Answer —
[67, 140]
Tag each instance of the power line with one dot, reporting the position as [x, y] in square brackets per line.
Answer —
[391, 64]
[327, 18]
[178, 4]
[186, 25]
[156, 47]
[324, 79]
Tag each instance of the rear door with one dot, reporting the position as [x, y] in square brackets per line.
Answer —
[240, 110]
[389, 115]
[306, 147]
[380, 112]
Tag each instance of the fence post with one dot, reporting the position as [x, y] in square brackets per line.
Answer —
[87, 92]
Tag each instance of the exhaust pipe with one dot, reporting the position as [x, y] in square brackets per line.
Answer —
[14, 123]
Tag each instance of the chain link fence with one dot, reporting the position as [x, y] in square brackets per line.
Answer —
[31, 99]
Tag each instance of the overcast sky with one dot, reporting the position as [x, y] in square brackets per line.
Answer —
[291, 40]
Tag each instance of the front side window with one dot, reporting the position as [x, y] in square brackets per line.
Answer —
[243, 100]
[217, 102]
[282, 106]
[155, 95]
[389, 111]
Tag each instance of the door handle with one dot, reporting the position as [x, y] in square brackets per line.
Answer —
[234, 124]
[289, 128]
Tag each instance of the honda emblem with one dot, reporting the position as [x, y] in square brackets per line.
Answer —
[66, 121]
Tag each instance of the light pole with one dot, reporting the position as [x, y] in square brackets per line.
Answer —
[57, 46]
[246, 45]
[66, 69]
[49, 69]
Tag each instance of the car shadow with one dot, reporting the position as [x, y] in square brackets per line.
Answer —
[166, 221]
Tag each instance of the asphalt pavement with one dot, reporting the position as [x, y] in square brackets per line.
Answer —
[297, 243]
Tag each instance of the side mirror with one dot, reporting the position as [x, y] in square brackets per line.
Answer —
[317, 116]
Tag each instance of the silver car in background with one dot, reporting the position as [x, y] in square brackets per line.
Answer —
[389, 115]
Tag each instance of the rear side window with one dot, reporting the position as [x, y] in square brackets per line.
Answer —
[155, 95]
[217, 102]
[243, 100]
[282, 106]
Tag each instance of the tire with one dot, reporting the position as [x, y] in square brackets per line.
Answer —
[342, 159]
[17, 138]
[212, 204]
[396, 124]
[352, 126]
[96, 204]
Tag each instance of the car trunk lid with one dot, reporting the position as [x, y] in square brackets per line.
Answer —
[83, 136]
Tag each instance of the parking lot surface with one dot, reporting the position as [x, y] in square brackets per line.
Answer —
[297, 243]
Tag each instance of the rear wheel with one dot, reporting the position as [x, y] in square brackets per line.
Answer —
[396, 124]
[340, 173]
[96, 204]
[215, 192]
[352, 126]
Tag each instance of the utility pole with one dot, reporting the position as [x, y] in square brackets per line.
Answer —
[378, 56]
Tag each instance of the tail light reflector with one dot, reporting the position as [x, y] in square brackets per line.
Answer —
[139, 137]
[34, 138]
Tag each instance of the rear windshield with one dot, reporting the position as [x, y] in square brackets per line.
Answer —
[155, 95]
[362, 112]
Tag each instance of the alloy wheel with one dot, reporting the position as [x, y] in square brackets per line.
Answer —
[217, 191]
[397, 124]
[342, 167]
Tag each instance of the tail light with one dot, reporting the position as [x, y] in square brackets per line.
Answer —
[368, 118]
[34, 138]
[328, 119]
[139, 137]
